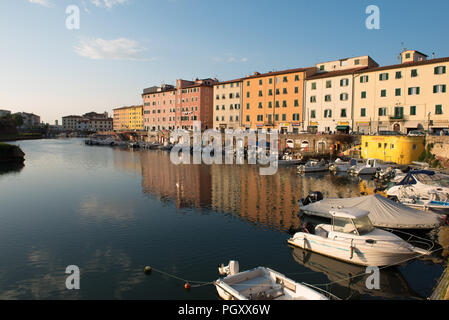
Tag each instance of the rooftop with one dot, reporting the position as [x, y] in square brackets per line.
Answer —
[406, 65]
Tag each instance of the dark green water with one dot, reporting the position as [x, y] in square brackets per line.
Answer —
[113, 211]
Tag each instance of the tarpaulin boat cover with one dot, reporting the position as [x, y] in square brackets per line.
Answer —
[383, 212]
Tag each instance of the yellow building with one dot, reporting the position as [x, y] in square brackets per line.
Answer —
[408, 96]
[128, 118]
[398, 149]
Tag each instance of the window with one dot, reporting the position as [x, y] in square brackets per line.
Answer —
[296, 117]
[414, 73]
[328, 84]
[313, 99]
[284, 91]
[270, 92]
[296, 90]
[247, 106]
[322, 67]
[382, 112]
[276, 117]
[343, 113]
[438, 109]
[284, 104]
[383, 93]
[413, 110]
[364, 79]
[441, 88]
[259, 117]
[363, 112]
[398, 92]
[285, 79]
[260, 105]
[312, 114]
[260, 93]
[277, 104]
[260, 82]
[270, 81]
[407, 56]
[296, 103]
[217, 108]
[398, 112]
[344, 82]
[247, 118]
[247, 94]
[328, 113]
[344, 97]
[440, 70]
[363, 94]
[399, 75]
[413, 91]
[296, 77]
[357, 62]
[383, 76]
[284, 117]
[328, 98]
[270, 104]
[313, 85]
[248, 83]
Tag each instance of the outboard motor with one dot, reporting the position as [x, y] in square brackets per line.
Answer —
[313, 197]
[229, 270]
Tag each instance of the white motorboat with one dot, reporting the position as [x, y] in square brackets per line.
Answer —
[352, 238]
[313, 166]
[421, 184]
[263, 284]
[342, 166]
[369, 168]
[435, 201]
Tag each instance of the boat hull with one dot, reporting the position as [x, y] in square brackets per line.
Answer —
[363, 255]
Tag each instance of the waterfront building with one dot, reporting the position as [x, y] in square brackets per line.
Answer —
[274, 100]
[159, 108]
[30, 120]
[128, 118]
[91, 122]
[404, 97]
[398, 149]
[328, 99]
[194, 102]
[4, 113]
[227, 104]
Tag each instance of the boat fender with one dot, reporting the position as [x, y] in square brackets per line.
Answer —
[147, 269]
[187, 286]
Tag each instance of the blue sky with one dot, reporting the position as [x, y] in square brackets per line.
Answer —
[123, 46]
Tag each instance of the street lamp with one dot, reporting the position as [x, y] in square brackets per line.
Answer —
[428, 125]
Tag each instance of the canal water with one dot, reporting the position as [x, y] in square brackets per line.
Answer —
[111, 212]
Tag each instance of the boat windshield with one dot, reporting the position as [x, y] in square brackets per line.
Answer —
[435, 180]
[363, 225]
[344, 225]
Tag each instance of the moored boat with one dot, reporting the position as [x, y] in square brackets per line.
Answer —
[313, 166]
[352, 238]
[263, 284]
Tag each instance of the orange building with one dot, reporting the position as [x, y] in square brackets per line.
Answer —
[274, 100]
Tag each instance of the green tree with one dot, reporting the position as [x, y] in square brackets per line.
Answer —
[18, 120]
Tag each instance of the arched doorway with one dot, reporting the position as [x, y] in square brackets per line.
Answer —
[397, 127]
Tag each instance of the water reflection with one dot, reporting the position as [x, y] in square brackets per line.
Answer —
[238, 189]
[346, 283]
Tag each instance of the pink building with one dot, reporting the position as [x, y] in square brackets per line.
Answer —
[159, 108]
[194, 102]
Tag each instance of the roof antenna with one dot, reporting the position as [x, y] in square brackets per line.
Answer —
[433, 55]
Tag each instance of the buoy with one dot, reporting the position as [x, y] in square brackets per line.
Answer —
[147, 269]
[187, 286]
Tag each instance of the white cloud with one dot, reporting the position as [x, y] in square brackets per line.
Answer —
[118, 49]
[230, 59]
[108, 3]
[45, 3]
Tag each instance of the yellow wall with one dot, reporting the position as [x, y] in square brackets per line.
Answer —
[128, 118]
[398, 149]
